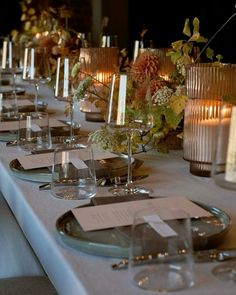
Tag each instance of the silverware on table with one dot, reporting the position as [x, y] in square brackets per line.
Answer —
[11, 143]
[104, 181]
[211, 255]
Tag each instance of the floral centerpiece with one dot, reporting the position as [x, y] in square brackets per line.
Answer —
[168, 96]
[46, 27]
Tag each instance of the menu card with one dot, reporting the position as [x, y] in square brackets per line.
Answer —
[121, 214]
[46, 159]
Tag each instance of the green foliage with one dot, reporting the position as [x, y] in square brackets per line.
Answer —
[210, 53]
[167, 111]
[182, 51]
[229, 98]
[166, 119]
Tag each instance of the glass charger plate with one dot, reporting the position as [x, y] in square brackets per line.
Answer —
[9, 113]
[6, 89]
[106, 167]
[207, 233]
[58, 134]
[42, 107]
[6, 136]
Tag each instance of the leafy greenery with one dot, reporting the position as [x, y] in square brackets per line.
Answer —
[187, 51]
[229, 98]
[167, 111]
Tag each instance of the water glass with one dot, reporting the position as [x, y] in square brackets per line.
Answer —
[73, 172]
[160, 257]
[34, 131]
[8, 106]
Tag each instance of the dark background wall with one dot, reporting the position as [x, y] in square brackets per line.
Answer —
[165, 23]
[164, 20]
[10, 13]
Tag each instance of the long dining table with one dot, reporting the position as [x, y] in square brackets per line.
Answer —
[73, 271]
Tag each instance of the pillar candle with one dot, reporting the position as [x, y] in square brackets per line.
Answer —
[230, 171]
[57, 76]
[32, 63]
[4, 54]
[25, 63]
[136, 49]
[66, 78]
[121, 100]
[10, 55]
[200, 131]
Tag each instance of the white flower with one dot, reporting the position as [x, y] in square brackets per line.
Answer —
[162, 95]
[180, 90]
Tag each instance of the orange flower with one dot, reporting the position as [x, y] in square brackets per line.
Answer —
[146, 63]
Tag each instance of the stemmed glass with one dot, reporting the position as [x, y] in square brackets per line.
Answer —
[129, 120]
[36, 68]
[69, 74]
[11, 64]
[225, 271]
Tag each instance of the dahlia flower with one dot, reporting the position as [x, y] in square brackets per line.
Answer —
[146, 63]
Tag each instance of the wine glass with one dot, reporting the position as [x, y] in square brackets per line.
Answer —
[69, 74]
[225, 271]
[124, 117]
[36, 68]
[11, 64]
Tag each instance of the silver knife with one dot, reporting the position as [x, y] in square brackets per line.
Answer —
[210, 255]
[214, 255]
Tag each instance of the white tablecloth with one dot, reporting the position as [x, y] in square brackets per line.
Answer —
[16, 256]
[74, 272]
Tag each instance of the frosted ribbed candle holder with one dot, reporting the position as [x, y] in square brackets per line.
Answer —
[200, 130]
[210, 80]
[206, 85]
[101, 63]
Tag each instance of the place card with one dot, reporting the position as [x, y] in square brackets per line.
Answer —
[53, 122]
[121, 214]
[35, 161]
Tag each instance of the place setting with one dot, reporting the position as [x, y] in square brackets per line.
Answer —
[110, 168]
[154, 237]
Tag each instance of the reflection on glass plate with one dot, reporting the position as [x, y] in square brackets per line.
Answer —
[207, 233]
[5, 89]
[65, 130]
[59, 134]
[42, 107]
[106, 167]
[9, 113]
[8, 136]
[37, 175]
